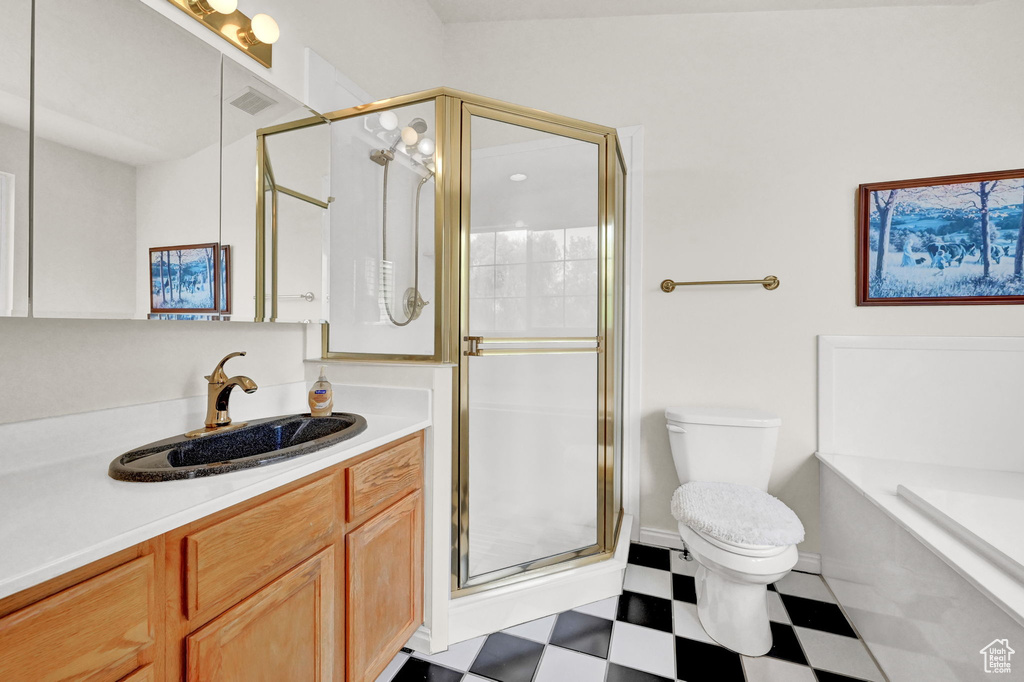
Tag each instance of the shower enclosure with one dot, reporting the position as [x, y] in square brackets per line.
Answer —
[487, 235]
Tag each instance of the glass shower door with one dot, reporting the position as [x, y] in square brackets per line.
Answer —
[532, 370]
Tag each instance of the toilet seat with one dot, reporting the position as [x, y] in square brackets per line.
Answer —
[743, 563]
[737, 518]
[743, 549]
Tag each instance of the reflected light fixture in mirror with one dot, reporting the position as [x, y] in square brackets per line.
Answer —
[388, 120]
[253, 37]
[410, 136]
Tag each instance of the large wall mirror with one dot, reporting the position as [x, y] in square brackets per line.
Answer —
[296, 204]
[145, 167]
[15, 87]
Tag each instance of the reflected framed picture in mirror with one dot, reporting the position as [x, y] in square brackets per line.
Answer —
[184, 279]
[225, 279]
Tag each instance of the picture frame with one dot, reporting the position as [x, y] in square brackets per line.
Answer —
[947, 240]
[224, 295]
[184, 279]
[187, 317]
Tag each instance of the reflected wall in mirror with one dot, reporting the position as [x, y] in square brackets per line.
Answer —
[296, 183]
[383, 285]
[142, 150]
[127, 152]
[15, 86]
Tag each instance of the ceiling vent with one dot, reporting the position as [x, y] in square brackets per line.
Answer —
[252, 101]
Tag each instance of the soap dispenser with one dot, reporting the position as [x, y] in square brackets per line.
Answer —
[321, 396]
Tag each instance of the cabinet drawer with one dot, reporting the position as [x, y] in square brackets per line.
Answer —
[232, 559]
[94, 630]
[382, 479]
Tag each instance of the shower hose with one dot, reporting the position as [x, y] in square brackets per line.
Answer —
[415, 247]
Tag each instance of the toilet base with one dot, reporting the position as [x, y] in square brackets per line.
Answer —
[734, 614]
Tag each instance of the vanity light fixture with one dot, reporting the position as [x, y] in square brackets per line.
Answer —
[204, 7]
[254, 37]
[262, 29]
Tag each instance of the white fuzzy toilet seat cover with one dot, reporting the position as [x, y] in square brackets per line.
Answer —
[734, 513]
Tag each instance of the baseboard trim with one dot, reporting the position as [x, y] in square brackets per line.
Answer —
[809, 562]
[660, 538]
[420, 640]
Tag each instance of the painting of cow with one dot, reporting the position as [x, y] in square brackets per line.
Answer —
[955, 239]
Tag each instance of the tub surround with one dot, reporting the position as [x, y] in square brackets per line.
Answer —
[59, 510]
[921, 618]
[929, 414]
[876, 480]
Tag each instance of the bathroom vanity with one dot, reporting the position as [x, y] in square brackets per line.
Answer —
[319, 579]
[311, 568]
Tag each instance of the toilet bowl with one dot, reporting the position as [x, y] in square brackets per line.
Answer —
[731, 585]
[741, 537]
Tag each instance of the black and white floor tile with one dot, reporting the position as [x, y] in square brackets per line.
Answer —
[651, 634]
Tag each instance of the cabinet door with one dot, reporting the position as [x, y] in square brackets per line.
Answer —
[96, 630]
[384, 586]
[283, 632]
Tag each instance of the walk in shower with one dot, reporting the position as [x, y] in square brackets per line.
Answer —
[488, 236]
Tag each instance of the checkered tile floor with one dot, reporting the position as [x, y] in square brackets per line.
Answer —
[651, 634]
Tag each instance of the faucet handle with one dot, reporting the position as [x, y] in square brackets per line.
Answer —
[217, 376]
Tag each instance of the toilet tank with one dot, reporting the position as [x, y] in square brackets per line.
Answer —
[732, 445]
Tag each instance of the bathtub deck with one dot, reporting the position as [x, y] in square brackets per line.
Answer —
[992, 524]
[878, 479]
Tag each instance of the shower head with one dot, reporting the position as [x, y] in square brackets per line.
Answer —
[419, 125]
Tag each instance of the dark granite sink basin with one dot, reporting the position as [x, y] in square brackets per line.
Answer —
[260, 442]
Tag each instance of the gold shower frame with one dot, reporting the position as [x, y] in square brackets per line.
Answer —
[452, 340]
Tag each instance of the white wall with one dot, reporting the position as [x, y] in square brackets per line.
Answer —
[386, 47]
[84, 246]
[760, 126]
[177, 203]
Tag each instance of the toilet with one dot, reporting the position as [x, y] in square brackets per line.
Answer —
[741, 537]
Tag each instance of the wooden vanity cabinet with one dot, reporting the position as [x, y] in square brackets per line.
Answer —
[280, 587]
[101, 622]
[384, 575]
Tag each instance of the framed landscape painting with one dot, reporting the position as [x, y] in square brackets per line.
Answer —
[950, 240]
[225, 280]
[184, 279]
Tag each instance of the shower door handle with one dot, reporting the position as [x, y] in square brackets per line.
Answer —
[473, 344]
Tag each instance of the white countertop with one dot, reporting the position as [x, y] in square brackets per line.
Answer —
[59, 510]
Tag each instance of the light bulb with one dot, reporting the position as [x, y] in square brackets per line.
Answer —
[409, 136]
[207, 7]
[223, 6]
[426, 146]
[265, 29]
[388, 120]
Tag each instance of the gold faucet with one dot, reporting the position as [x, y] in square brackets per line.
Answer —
[218, 394]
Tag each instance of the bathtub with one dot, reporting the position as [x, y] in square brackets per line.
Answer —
[922, 500]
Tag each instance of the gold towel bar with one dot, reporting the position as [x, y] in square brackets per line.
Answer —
[770, 282]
